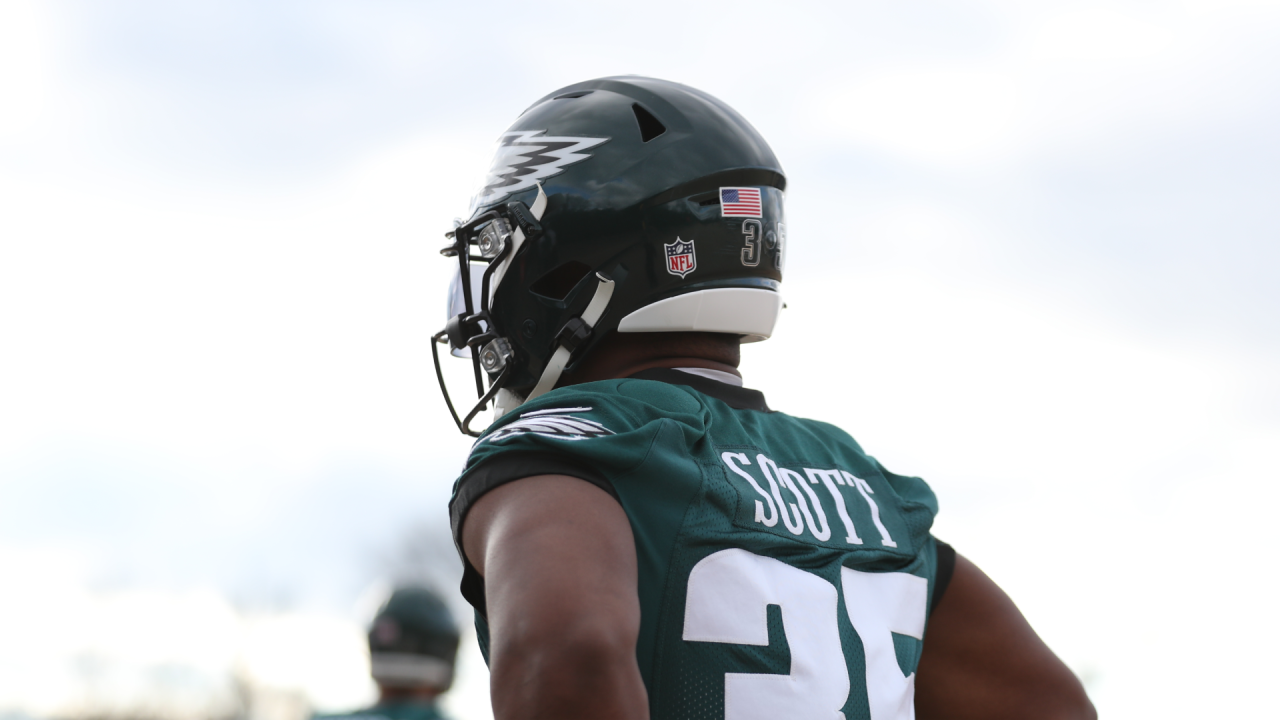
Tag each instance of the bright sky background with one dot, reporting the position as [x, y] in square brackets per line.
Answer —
[1034, 254]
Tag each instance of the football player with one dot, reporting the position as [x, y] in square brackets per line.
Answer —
[642, 535]
[413, 642]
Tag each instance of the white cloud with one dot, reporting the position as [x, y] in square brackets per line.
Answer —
[25, 57]
[1100, 34]
[70, 648]
[942, 115]
[196, 324]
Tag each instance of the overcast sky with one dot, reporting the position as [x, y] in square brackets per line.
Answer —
[1034, 253]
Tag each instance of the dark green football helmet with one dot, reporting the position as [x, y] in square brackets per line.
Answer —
[623, 204]
[413, 641]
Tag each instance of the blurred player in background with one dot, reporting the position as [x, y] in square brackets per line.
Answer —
[642, 535]
[413, 643]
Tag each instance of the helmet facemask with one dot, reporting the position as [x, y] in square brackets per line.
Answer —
[491, 239]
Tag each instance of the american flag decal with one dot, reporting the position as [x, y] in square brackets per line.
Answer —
[740, 202]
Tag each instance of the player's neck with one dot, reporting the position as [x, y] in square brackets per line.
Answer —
[623, 355]
[678, 362]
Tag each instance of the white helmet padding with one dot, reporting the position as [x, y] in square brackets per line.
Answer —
[749, 312]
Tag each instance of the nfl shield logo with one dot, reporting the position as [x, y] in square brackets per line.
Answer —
[680, 258]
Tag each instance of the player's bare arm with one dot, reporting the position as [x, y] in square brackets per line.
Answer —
[560, 580]
[982, 660]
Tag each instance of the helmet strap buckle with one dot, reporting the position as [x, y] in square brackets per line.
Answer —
[576, 331]
[573, 334]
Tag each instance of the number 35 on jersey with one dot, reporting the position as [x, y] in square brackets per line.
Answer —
[728, 596]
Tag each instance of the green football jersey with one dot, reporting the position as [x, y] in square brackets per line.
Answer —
[782, 571]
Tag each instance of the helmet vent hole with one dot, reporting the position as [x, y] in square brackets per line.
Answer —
[650, 127]
[572, 95]
[558, 283]
[707, 199]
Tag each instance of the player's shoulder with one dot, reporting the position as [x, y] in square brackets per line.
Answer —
[597, 409]
[639, 397]
[603, 427]
[823, 431]
[910, 488]
[805, 436]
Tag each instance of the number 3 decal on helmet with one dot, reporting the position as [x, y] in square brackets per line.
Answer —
[615, 204]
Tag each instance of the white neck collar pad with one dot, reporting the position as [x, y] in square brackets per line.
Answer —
[717, 375]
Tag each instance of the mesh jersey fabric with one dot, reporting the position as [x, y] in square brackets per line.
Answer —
[710, 478]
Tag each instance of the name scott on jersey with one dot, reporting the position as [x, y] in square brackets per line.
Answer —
[806, 503]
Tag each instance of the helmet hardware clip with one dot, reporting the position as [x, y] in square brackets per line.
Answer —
[524, 218]
[494, 238]
[496, 355]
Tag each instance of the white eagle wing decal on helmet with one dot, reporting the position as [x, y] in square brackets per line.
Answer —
[554, 422]
[524, 157]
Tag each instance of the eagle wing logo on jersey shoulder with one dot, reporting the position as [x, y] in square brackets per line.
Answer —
[554, 422]
[524, 157]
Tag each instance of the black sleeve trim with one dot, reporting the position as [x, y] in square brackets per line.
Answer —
[946, 568]
[496, 472]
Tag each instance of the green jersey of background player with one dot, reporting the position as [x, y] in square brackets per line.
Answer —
[413, 642]
[642, 535]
